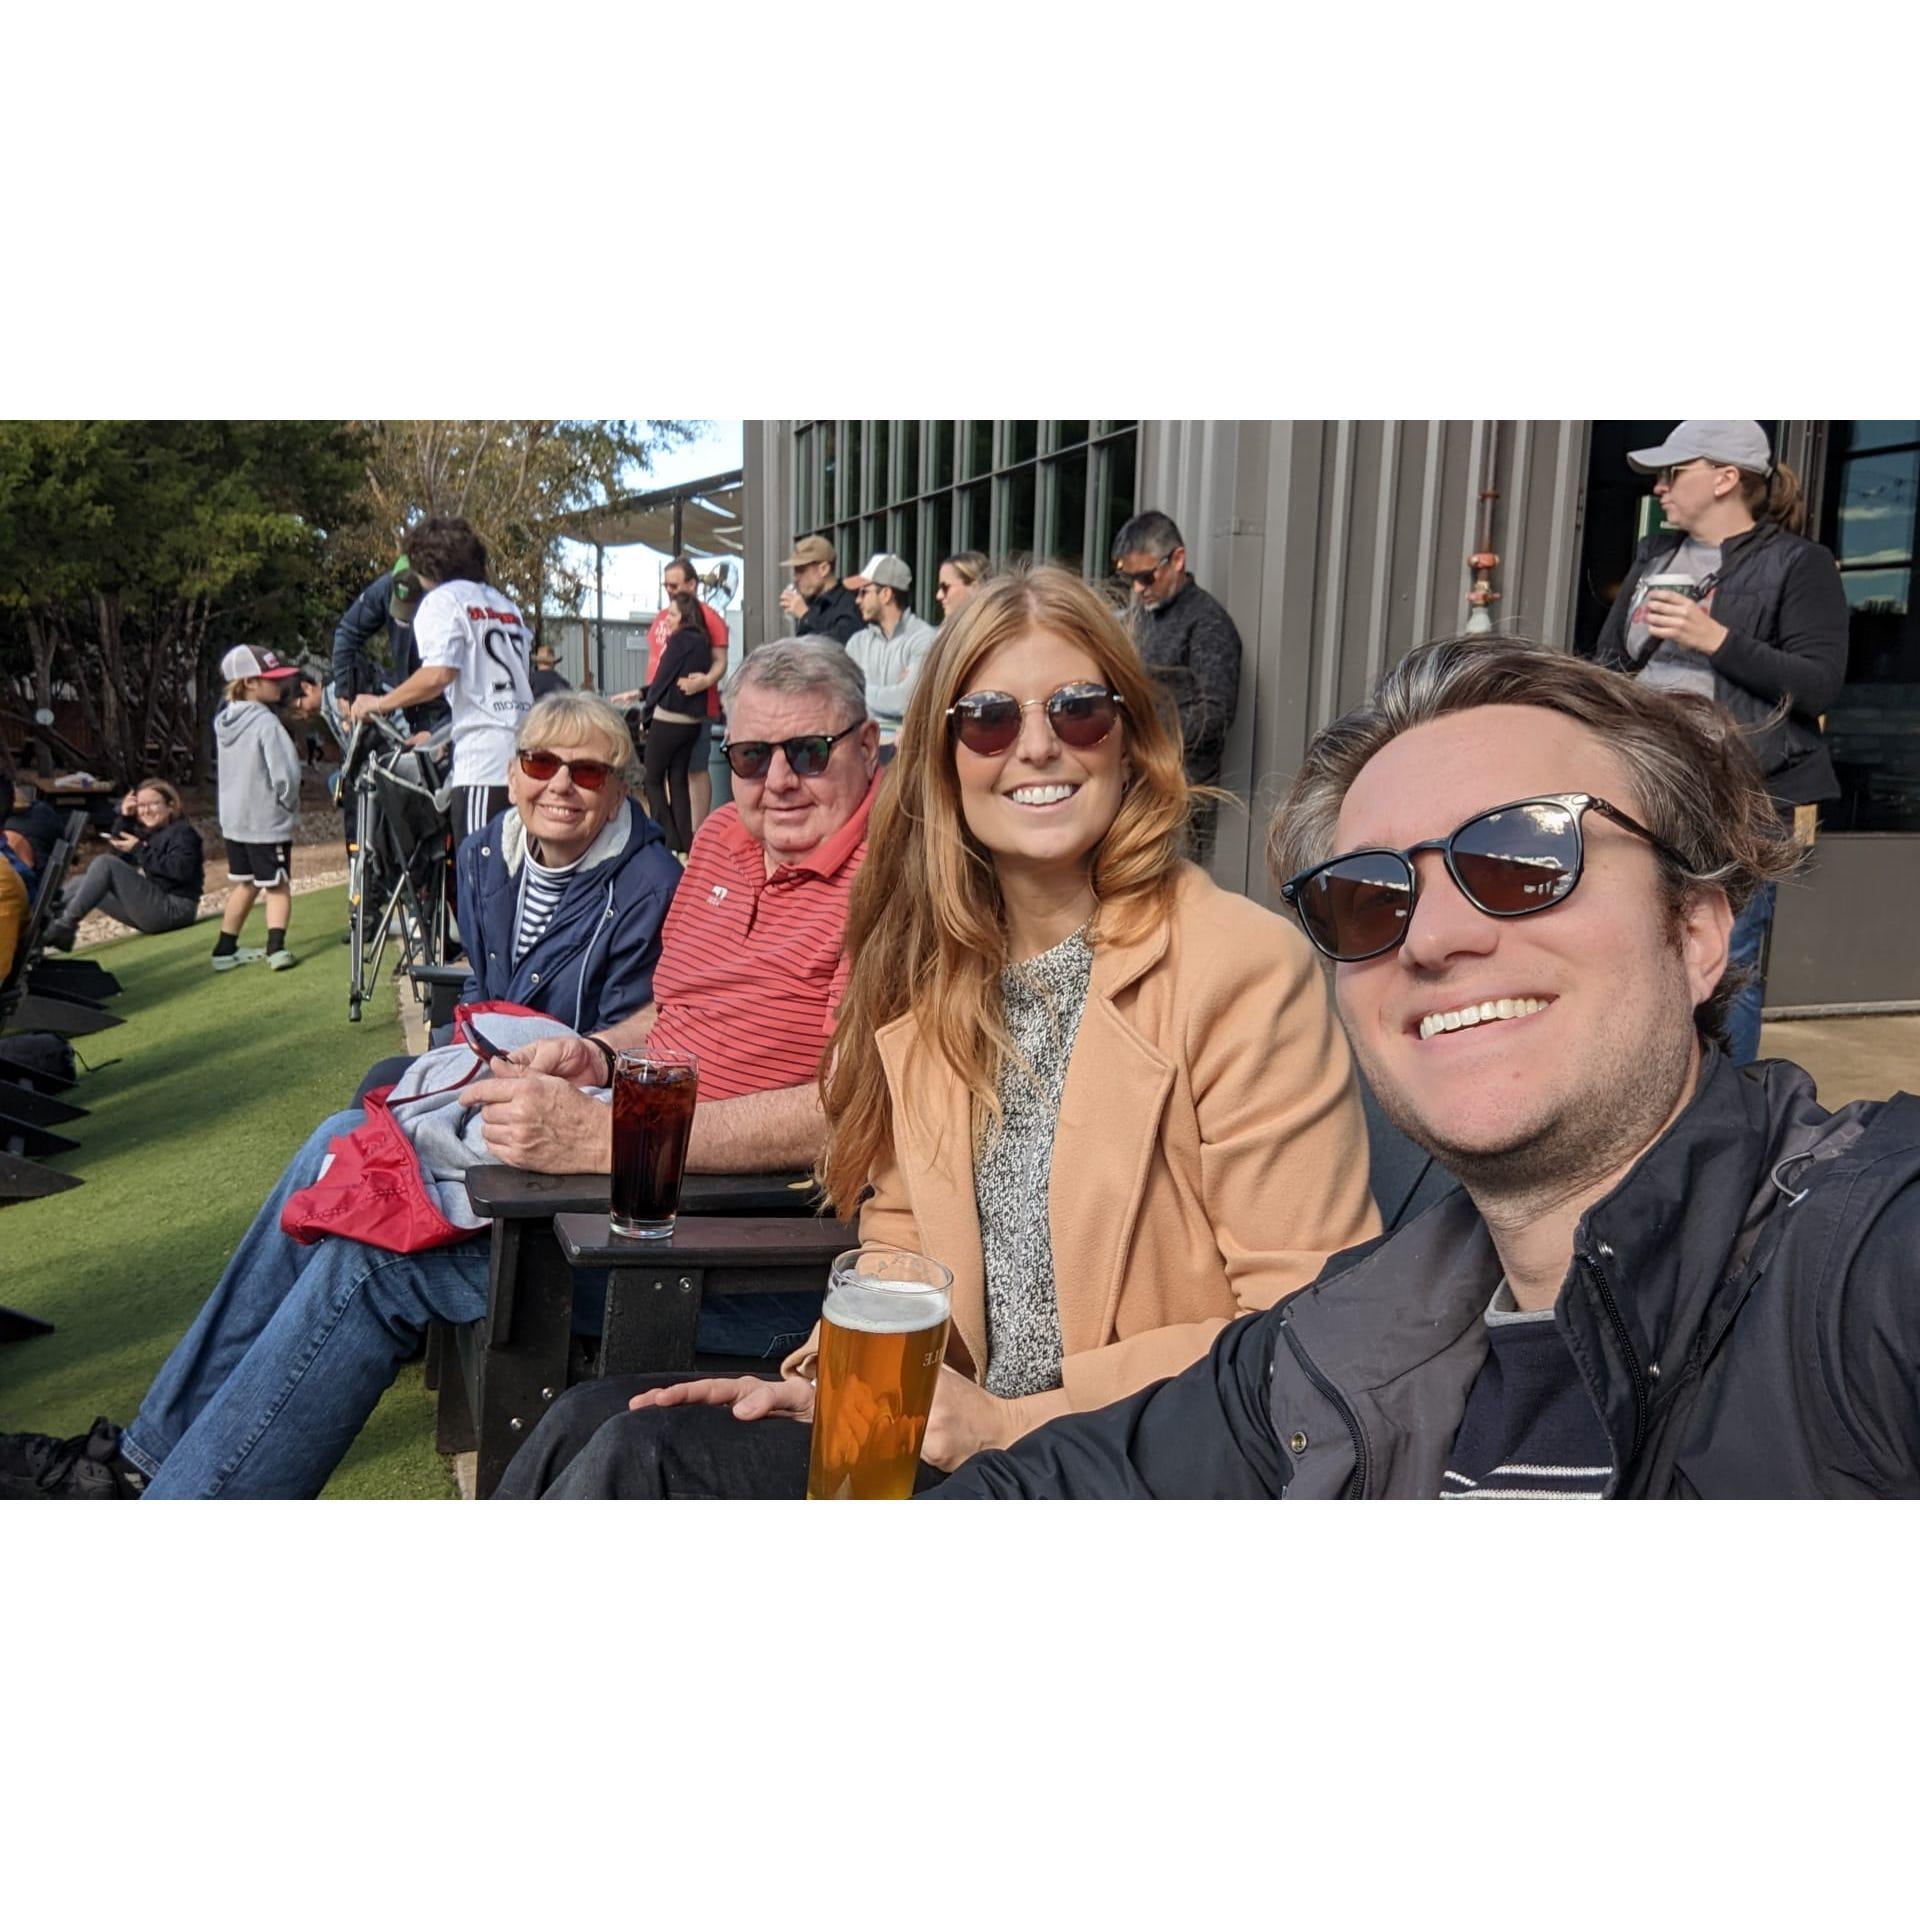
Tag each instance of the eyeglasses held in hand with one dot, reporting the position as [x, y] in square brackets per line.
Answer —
[588, 775]
[1081, 714]
[807, 753]
[1512, 860]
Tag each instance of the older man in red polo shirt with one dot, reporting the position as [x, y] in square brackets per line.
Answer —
[751, 962]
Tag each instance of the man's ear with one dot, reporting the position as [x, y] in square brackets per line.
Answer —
[1706, 934]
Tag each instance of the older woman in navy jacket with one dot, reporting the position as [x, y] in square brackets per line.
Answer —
[563, 895]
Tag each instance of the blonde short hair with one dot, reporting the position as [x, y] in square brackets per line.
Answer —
[572, 719]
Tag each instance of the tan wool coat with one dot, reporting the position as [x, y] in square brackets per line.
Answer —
[1210, 1151]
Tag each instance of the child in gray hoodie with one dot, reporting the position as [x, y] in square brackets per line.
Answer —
[259, 803]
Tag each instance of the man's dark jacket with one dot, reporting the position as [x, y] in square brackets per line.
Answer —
[834, 615]
[355, 671]
[1785, 611]
[1738, 1342]
[1191, 648]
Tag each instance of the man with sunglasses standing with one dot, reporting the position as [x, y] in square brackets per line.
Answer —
[1662, 1277]
[1729, 601]
[1188, 642]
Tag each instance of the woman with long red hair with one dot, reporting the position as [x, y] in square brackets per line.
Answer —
[1108, 1095]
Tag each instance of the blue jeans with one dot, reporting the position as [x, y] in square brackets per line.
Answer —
[289, 1357]
[1749, 943]
[292, 1351]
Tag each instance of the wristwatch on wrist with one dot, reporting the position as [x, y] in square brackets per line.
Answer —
[594, 1040]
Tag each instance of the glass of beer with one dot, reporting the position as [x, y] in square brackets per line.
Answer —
[883, 1333]
[654, 1090]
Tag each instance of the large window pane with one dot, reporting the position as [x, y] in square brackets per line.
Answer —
[1066, 537]
[907, 482]
[1025, 435]
[1114, 505]
[942, 474]
[1874, 519]
[976, 516]
[979, 447]
[1856, 436]
[880, 452]
[905, 523]
[850, 499]
[829, 470]
[1069, 433]
[940, 525]
[1020, 508]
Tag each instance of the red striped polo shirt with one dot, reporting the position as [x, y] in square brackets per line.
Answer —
[751, 963]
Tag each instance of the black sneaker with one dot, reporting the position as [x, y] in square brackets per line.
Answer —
[58, 936]
[36, 1466]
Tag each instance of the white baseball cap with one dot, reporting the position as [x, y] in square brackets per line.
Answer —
[1727, 443]
[254, 663]
[884, 570]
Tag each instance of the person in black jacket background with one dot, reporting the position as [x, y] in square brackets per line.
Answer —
[388, 603]
[153, 878]
[676, 724]
[1758, 622]
[818, 599]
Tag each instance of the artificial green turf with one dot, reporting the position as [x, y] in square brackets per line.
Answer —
[195, 1106]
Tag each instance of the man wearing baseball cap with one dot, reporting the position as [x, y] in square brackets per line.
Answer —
[816, 599]
[1728, 600]
[259, 803]
[891, 646]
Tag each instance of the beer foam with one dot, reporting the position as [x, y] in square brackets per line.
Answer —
[885, 1306]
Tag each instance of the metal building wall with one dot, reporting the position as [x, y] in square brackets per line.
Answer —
[1339, 545]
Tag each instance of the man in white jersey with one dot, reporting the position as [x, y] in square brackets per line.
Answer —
[474, 649]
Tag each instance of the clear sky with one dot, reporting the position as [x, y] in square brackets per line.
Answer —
[632, 574]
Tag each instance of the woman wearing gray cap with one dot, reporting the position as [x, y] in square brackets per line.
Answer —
[1728, 600]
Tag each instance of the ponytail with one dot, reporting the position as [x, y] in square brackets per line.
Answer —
[1778, 497]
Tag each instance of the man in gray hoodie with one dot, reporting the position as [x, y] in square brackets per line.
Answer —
[891, 646]
[259, 803]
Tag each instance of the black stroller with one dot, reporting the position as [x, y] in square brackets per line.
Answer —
[399, 849]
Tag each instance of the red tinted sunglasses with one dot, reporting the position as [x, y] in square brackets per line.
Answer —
[588, 775]
[1081, 714]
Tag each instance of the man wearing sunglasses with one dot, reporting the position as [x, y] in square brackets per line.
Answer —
[296, 1344]
[1663, 1276]
[1188, 642]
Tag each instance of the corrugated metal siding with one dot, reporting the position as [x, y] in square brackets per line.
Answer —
[1339, 545]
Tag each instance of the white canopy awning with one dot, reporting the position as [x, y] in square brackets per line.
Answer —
[711, 518]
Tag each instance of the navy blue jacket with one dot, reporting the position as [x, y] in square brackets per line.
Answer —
[594, 964]
[354, 672]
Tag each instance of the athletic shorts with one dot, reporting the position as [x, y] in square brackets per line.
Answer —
[472, 807]
[259, 863]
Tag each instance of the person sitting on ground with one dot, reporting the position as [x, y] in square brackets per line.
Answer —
[567, 891]
[293, 1349]
[1165, 1123]
[153, 878]
[259, 804]
[1662, 1277]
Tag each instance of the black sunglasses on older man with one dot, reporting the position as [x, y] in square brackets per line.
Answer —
[807, 753]
[1510, 861]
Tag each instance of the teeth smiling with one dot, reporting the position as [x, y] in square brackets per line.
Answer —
[1039, 796]
[1475, 1015]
